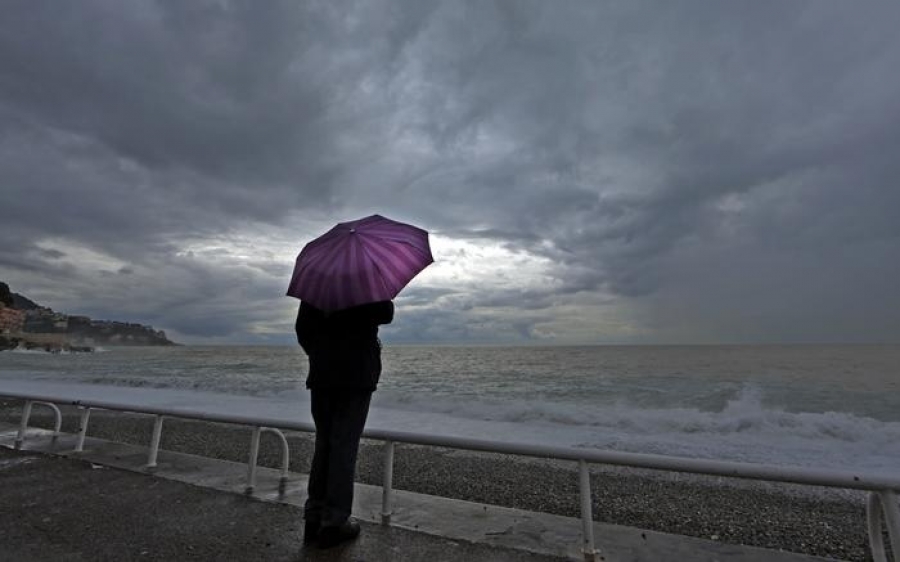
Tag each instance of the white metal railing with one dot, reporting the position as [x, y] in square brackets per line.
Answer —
[26, 413]
[151, 465]
[882, 505]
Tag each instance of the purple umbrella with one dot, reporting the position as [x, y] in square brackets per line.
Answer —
[359, 262]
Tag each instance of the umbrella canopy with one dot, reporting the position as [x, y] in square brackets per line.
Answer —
[359, 262]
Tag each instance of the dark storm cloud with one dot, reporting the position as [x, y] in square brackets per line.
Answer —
[184, 85]
[204, 104]
[722, 171]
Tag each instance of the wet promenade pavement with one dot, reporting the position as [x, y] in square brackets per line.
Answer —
[66, 510]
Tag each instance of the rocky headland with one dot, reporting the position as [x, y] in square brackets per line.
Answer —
[25, 324]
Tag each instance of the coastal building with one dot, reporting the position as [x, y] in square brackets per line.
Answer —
[45, 321]
[11, 320]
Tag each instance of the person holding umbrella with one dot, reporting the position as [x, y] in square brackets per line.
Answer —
[345, 281]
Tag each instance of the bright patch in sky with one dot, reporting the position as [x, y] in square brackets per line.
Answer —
[458, 264]
[78, 255]
[465, 263]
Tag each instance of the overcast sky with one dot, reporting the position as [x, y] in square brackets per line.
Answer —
[590, 172]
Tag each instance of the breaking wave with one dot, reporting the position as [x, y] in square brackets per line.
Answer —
[745, 429]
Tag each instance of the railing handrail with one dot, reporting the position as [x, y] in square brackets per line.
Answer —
[733, 469]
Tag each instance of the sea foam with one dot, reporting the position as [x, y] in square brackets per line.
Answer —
[744, 430]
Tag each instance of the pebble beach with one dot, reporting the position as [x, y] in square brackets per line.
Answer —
[794, 518]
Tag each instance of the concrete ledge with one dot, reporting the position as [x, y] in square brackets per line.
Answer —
[501, 527]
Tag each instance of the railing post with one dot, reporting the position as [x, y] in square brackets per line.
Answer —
[587, 518]
[388, 484]
[154, 444]
[57, 421]
[26, 416]
[23, 425]
[82, 428]
[285, 459]
[251, 463]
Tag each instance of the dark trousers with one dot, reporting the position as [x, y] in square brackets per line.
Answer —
[339, 417]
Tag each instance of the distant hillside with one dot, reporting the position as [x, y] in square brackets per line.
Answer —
[22, 303]
[22, 316]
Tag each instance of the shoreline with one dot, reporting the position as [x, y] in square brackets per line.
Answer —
[814, 521]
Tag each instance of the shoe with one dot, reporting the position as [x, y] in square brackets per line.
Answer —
[311, 531]
[333, 536]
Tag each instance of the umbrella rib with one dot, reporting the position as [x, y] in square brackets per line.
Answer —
[379, 260]
[393, 274]
[321, 279]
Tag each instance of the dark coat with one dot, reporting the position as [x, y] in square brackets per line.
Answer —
[343, 347]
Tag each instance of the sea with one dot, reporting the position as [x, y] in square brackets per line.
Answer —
[824, 406]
